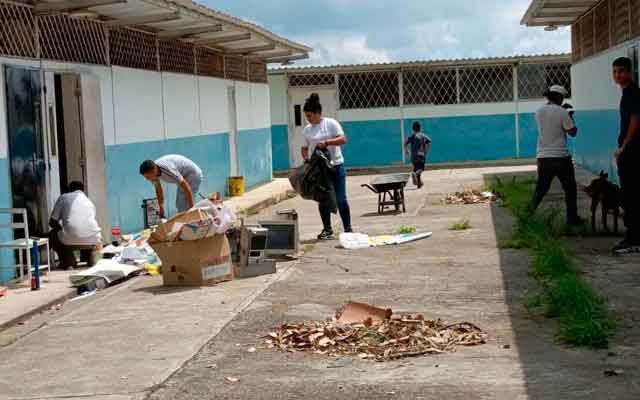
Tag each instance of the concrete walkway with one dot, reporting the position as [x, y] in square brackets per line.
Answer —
[21, 303]
[456, 276]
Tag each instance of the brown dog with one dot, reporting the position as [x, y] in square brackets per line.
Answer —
[602, 191]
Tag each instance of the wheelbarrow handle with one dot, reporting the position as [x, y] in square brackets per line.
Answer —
[369, 187]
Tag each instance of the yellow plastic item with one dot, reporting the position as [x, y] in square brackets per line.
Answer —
[236, 186]
[152, 269]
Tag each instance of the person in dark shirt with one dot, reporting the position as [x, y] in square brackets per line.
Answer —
[420, 144]
[628, 155]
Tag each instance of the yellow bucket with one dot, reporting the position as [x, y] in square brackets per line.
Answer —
[236, 186]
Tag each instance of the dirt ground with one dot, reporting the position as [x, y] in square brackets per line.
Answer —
[454, 275]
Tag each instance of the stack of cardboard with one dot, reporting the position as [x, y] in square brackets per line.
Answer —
[202, 262]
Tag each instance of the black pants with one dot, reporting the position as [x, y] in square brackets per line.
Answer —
[629, 172]
[418, 169]
[562, 168]
[66, 253]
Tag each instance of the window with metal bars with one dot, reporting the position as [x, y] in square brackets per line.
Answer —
[312, 80]
[176, 56]
[258, 72]
[209, 63]
[430, 86]
[535, 79]
[17, 27]
[486, 84]
[235, 68]
[374, 89]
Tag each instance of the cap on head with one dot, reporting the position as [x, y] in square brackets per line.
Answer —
[557, 89]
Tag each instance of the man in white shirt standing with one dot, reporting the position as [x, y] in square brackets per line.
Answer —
[75, 227]
[553, 157]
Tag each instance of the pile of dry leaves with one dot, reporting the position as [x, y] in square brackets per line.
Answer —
[470, 196]
[400, 336]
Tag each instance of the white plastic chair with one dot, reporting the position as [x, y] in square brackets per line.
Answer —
[24, 245]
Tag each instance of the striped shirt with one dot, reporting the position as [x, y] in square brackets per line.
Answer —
[175, 168]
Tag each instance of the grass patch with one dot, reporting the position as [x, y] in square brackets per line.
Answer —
[581, 313]
[461, 225]
[407, 229]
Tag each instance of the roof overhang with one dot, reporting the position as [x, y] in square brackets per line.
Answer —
[555, 13]
[186, 21]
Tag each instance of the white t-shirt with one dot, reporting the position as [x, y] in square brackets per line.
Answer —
[553, 124]
[77, 215]
[328, 128]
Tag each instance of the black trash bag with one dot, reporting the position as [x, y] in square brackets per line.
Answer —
[313, 180]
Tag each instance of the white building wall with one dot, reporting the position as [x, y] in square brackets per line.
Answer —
[181, 105]
[138, 105]
[278, 99]
[260, 106]
[214, 105]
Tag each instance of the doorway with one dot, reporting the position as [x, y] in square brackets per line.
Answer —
[27, 159]
[297, 121]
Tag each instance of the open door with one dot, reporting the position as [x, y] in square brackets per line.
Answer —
[94, 151]
[50, 133]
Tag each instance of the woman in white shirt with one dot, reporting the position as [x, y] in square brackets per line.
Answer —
[326, 133]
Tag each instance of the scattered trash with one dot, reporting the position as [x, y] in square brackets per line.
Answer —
[613, 372]
[340, 362]
[212, 366]
[470, 196]
[84, 295]
[251, 350]
[360, 313]
[232, 379]
[110, 270]
[353, 241]
[3, 291]
[506, 346]
[152, 269]
[382, 339]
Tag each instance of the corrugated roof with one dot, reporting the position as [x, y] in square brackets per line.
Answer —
[556, 12]
[561, 57]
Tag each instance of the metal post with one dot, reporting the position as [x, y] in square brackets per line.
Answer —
[35, 285]
[457, 85]
[516, 101]
[401, 104]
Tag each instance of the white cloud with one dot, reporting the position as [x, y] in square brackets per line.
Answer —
[333, 48]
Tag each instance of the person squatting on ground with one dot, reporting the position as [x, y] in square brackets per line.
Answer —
[553, 157]
[326, 133]
[420, 144]
[176, 169]
[627, 155]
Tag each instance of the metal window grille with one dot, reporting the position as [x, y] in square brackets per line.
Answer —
[176, 56]
[535, 79]
[209, 63]
[17, 27]
[635, 18]
[586, 35]
[620, 21]
[369, 90]
[486, 84]
[312, 80]
[72, 39]
[576, 42]
[235, 68]
[133, 49]
[258, 72]
[430, 86]
[602, 28]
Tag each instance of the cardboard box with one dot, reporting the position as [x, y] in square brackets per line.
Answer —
[202, 262]
[170, 230]
[252, 270]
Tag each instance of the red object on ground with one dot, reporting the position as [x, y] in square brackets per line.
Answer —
[3, 291]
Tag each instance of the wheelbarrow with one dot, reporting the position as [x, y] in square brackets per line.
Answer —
[390, 191]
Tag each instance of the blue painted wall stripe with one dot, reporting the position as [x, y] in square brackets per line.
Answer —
[6, 256]
[280, 147]
[127, 188]
[254, 155]
[372, 143]
[597, 140]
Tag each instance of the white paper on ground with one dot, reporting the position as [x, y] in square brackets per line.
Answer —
[354, 241]
[110, 270]
[386, 240]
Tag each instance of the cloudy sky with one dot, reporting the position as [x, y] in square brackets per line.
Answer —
[363, 31]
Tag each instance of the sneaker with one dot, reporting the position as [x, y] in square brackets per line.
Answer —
[326, 235]
[626, 247]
